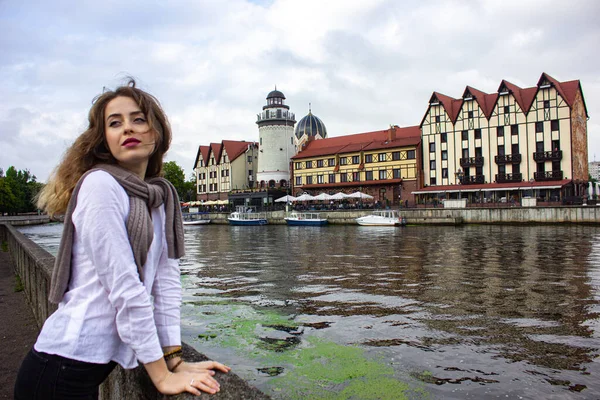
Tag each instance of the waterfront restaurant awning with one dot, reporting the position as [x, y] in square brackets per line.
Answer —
[493, 187]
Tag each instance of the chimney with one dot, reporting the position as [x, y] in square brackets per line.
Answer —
[392, 133]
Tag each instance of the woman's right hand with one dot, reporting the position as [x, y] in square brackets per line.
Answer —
[179, 382]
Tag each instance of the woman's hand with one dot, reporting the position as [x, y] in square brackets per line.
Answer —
[192, 382]
[198, 367]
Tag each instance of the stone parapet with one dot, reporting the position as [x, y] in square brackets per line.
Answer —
[34, 266]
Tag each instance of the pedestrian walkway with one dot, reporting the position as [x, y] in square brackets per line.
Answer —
[18, 329]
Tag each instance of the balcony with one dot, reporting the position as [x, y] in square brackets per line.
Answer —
[473, 180]
[548, 155]
[504, 178]
[508, 159]
[471, 162]
[548, 176]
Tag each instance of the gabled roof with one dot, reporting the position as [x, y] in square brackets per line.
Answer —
[486, 101]
[235, 148]
[202, 150]
[215, 149]
[408, 136]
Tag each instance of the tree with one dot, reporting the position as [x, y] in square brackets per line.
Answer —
[174, 174]
[19, 190]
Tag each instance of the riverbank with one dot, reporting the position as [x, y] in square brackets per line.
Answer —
[458, 216]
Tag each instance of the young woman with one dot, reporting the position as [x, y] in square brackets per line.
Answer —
[116, 278]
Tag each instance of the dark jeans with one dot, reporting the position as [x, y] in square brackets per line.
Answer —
[52, 377]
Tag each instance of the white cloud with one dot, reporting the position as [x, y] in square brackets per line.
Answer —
[363, 65]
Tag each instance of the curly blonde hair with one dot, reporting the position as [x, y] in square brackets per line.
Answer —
[90, 148]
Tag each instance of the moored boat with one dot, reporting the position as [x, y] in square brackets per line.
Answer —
[244, 215]
[382, 218]
[195, 219]
[305, 219]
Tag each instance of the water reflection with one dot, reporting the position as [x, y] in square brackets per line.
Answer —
[474, 311]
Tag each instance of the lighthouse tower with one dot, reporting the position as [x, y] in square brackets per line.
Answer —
[276, 142]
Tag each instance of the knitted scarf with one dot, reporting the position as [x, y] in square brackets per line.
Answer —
[143, 195]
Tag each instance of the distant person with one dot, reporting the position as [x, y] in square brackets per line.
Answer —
[116, 278]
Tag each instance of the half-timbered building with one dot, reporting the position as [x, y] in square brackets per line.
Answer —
[509, 144]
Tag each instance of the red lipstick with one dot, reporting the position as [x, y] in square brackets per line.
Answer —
[130, 142]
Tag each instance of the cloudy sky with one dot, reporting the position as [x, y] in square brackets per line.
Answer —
[362, 64]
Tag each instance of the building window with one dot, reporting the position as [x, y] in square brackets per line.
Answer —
[261, 141]
[514, 129]
[478, 152]
[250, 172]
[355, 159]
[298, 165]
[500, 131]
[500, 149]
[299, 180]
[309, 164]
[477, 133]
[382, 175]
[249, 158]
[381, 157]
[437, 118]
[309, 180]
[444, 154]
[331, 178]
[356, 177]
[397, 174]
[444, 173]
[432, 165]
[470, 114]
[464, 135]
[554, 125]
[539, 127]
[343, 178]
[444, 136]
[432, 181]
[465, 153]
[368, 175]
[320, 179]
[502, 169]
[343, 160]
[515, 149]
[395, 155]
[546, 103]
[368, 158]
[410, 155]
[539, 147]
[319, 163]
[431, 147]
[331, 162]
[506, 109]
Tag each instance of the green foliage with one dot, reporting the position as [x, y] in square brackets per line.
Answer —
[4, 246]
[174, 174]
[18, 284]
[592, 179]
[18, 189]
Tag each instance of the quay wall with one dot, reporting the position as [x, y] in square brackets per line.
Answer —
[23, 220]
[34, 267]
[456, 216]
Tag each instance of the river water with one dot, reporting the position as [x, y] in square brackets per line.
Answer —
[350, 312]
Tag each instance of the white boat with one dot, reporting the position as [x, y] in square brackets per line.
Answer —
[305, 219]
[382, 218]
[245, 215]
[195, 219]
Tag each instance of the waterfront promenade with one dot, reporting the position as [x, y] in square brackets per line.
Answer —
[19, 329]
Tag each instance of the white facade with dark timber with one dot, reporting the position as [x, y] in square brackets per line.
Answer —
[513, 138]
[276, 142]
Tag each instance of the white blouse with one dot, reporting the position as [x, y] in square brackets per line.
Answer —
[107, 313]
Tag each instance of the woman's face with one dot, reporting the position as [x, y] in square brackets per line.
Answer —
[129, 138]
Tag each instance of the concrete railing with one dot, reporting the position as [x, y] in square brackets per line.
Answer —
[34, 267]
[455, 216]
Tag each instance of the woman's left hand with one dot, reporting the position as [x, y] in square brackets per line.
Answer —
[202, 366]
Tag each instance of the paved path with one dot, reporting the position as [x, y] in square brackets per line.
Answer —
[18, 330]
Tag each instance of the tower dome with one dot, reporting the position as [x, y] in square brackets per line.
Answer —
[310, 125]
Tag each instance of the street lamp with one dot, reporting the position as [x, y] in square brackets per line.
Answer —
[459, 177]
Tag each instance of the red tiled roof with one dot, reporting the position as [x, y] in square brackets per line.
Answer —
[407, 136]
[523, 97]
[235, 148]
[204, 150]
[492, 186]
[215, 148]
